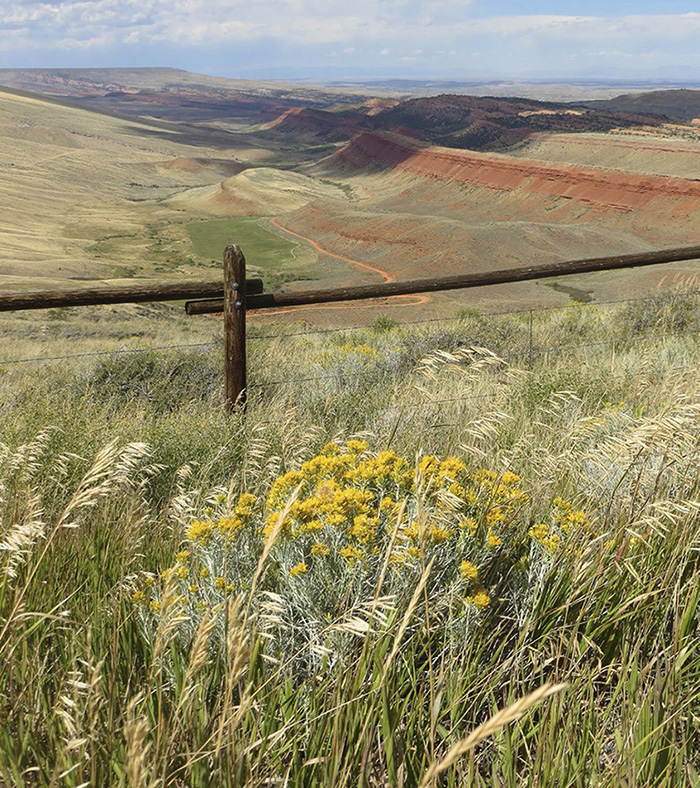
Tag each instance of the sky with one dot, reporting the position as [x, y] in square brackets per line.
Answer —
[654, 40]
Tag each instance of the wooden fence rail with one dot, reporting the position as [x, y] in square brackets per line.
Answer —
[458, 282]
[241, 294]
[238, 299]
[121, 294]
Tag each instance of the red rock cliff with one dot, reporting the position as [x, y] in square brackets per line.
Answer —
[597, 187]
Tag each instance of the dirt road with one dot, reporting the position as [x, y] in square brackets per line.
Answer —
[386, 276]
[411, 300]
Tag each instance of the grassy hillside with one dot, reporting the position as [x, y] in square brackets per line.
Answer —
[86, 195]
[92, 197]
[277, 259]
[506, 519]
[679, 104]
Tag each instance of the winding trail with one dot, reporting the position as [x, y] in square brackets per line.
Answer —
[405, 300]
[386, 276]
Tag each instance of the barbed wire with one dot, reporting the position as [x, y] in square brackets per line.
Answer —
[525, 352]
[616, 340]
[114, 351]
[529, 350]
[338, 376]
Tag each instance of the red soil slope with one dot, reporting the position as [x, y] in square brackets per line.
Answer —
[603, 189]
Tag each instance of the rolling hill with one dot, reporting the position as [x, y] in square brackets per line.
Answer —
[683, 105]
[369, 188]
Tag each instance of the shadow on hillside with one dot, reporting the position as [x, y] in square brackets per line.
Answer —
[188, 134]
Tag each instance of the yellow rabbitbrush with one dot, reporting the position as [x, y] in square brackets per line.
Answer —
[348, 517]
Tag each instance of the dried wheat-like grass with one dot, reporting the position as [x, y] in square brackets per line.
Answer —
[169, 621]
[78, 708]
[25, 461]
[138, 747]
[407, 616]
[469, 361]
[237, 661]
[510, 714]
[365, 618]
[20, 539]
[113, 468]
[183, 503]
[237, 642]
[199, 655]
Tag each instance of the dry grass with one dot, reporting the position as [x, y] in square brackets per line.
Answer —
[95, 695]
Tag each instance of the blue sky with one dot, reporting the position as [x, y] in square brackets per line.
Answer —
[456, 39]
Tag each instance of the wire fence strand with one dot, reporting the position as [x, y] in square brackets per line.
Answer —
[529, 351]
[463, 317]
[113, 352]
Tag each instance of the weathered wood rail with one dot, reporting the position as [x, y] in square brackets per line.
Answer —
[458, 282]
[241, 295]
[122, 294]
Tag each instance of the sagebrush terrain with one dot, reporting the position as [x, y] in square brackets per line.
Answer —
[508, 505]
[452, 545]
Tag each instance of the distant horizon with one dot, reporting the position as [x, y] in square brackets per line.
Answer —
[378, 79]
[465, 40]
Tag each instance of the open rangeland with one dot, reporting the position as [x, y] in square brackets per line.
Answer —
[93, 196]
[443, 547]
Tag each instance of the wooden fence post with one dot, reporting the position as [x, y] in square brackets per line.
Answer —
[234, 327]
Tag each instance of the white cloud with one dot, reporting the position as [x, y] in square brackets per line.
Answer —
[611, 54]
[306, 21]
[582, 28]
[399, 28]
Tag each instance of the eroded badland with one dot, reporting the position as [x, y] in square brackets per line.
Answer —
[107, 176]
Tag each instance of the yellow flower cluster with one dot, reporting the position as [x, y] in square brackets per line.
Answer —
[545, 536]
[347, 352]
[480, 599]
[492, 503]
[202, 531]
[223, 585]
[565, 521]
[479, 596]
[343, 509]
[320, 549]
[345, 502]
[567, 518]
[299, 569]
[469, 571]
[357, 498]
[189, 569]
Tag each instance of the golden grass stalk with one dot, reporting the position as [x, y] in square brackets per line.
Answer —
[21, 537]
[200, 648]
[137, 746]
[169, 620]
[407, 616]
[269, 544]
[237, 660]
[113, 466]
[510, 714]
